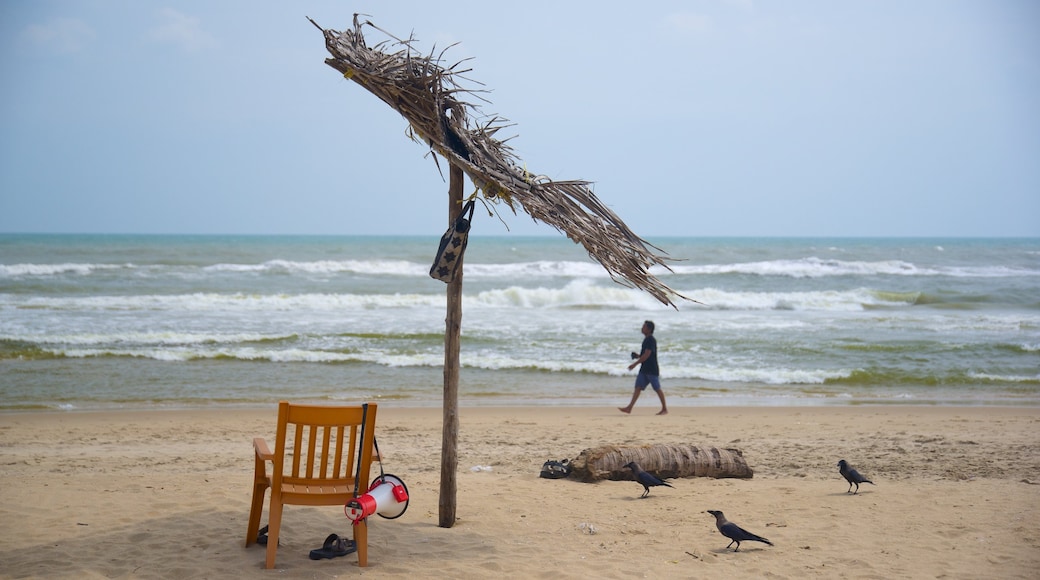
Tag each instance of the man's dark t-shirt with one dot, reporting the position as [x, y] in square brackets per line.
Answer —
[649, 366]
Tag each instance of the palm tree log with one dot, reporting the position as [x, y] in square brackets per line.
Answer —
[665, 461]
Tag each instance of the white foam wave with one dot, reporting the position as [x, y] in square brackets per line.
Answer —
[17, 270]
[993, 323]
[202, 302]
[289, 355]
[578, 293]
[538, 269]
[769, 376]
[163, 354]
[187, 353]
[169, 339]
[1006, 378]
[824, 300]
[369, 267]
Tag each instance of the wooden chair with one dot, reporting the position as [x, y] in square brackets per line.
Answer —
[315, 462]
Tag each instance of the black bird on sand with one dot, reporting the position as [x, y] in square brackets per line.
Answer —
[648, 480]
[852, 476]
[735, 532]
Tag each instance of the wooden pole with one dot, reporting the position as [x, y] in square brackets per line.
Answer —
[452, 334]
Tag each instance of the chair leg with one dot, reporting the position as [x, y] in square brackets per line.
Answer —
[273, 527]
[361, 541]
[255, 511]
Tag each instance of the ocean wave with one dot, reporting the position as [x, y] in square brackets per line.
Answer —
[182, 350]
[814, 267]
[810, 267]
[506, 362]
[577, 294]
[1025, 379]
[431, 356]
[946, 379]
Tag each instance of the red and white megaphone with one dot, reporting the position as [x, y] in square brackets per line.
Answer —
[387, 496]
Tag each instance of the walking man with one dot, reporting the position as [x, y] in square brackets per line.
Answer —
[649, 374]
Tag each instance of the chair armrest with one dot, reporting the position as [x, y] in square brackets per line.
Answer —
[262, 451]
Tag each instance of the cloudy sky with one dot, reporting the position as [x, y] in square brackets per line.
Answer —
[699, 118]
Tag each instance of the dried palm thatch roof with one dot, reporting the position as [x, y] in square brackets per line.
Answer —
[430, 97]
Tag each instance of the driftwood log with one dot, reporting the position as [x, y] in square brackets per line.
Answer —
[665, 461]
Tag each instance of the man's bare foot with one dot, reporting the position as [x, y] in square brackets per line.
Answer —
[624, 410]
[663, 412]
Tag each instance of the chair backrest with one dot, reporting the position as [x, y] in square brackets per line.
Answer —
[328, 447]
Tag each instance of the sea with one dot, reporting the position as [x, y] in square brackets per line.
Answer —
[104, 322]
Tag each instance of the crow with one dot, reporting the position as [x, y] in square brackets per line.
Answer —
[648, 480]
[852, 476]
[735, 532]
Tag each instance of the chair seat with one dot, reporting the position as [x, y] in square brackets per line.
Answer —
[325, 493]
[318, 489]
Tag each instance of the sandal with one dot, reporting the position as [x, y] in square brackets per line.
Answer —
[334, 547]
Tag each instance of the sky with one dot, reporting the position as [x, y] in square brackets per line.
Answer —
[692, 118]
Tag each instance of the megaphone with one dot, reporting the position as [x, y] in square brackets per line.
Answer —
[387, 496]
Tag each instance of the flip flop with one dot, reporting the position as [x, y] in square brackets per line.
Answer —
[261, 536]
[334, 547]
[555, 469]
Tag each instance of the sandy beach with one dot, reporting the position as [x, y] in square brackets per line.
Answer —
[165, 494]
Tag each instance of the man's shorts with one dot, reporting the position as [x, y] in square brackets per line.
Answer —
[643, 379]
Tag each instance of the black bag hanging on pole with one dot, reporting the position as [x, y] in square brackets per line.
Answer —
[453, 244]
